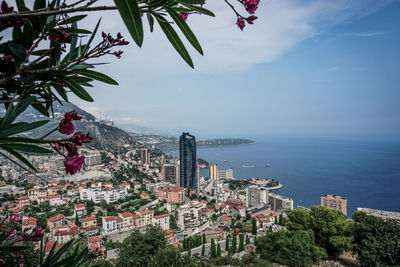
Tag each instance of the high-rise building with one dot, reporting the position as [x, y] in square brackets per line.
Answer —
[188, 170]
[145, 156]
[278, 202]
[171, 173]
[227, 174]
[252, 196]
[335, 203]
[213, 172]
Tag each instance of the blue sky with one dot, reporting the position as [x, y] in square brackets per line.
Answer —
[323, 68]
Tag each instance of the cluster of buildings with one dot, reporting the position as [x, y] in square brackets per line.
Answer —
[109, 195]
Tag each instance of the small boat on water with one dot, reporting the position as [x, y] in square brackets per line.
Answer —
[225, 160]
[268, 165]
[248, 166]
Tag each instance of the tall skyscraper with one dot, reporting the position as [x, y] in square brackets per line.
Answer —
[213, 172]
[335, 202]
[145, 157]
[187, 149]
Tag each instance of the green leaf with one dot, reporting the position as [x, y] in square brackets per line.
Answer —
[27, 35]
[151, 21]
[156, 3]
[74, 40]
[192, 2]
[78, 90]
[39, 52]
[97, 76]
[27, 148]
[61, 91]
[14, 111]
[174, 39]
[17, 139]
[41, 108]
[18, 156]
[130, 14]
[72, 19]
[17, 33]
[199, 9]
[72, 30]
[18, 50]
[86, 47]
[22, 127]
[82, 66]
[12, 248]
[21, 6]
[185, 29]
[39, 4]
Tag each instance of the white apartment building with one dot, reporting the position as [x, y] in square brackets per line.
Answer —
[162, 221]
[98, 195]
[112, 225]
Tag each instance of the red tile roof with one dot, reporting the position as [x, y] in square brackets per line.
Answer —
[23, 198]
[144, 212]
[168, 232]
[126, 214]
[161, 216]
[72, 231]
[109, 219]
[226, 218]
[177, 244]
[86, 219]
[92, 227]
[56, 218]
[80, 205]
[136, 216]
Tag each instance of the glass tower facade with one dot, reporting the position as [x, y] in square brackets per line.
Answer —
[188, 173]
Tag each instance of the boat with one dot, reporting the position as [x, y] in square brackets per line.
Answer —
[225, 160]
[268, 165]
[248, 166]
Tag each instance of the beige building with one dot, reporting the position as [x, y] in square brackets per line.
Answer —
[127, 220]
[213, 172]
[335, 203]
[147, 217]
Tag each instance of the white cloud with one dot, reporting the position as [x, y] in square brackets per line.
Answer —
[282, 25]
[330, 69]
[365, 34]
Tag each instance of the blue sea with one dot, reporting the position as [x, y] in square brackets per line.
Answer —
[366, 172]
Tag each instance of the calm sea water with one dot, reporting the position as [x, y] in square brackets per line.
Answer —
[366, 172]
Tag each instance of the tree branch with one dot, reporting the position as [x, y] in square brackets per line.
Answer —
[31, 14]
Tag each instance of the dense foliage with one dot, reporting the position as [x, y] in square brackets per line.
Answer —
[293, 248]
[376, 242]
[330, 228]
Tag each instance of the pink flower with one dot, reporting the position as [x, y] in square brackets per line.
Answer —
[73, 164]
[184, 16]
[240, 22]
[251, 19]
[79, 138]
[35, 235]
[12, 234]
[2, 261]
[71, 149]
[72, 116]
[251, 5]
[57, 147]
[21, 264]
[66, 127]
[5, 8]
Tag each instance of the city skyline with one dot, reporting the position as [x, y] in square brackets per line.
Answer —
[315, 67]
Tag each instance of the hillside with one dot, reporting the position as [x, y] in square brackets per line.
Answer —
[105, 137]
[161, 141]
